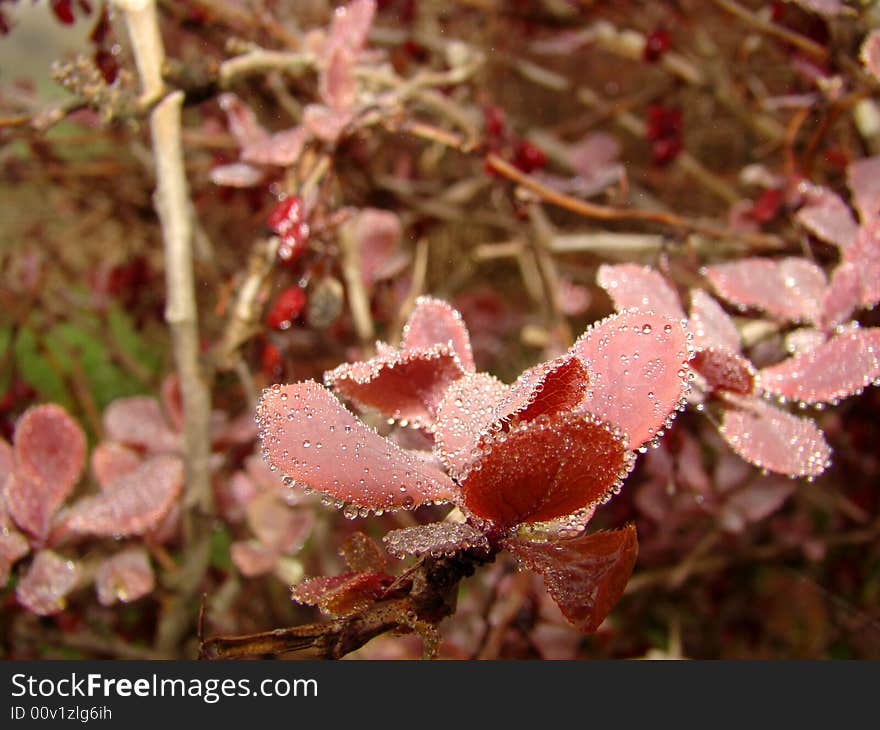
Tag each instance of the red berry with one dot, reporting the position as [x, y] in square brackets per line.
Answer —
[664, 127]
[271, 361]
[656, 44]
[529, 157]
[767, 206]
[286, 308]
[287, 219]
[63, 10]
[107, 65]
[496, 124]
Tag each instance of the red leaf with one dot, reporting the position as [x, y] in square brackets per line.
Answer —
[279, 527]
[548, 388]
[362, 555]
[710, 324]
[407, 385]
[468, 407]
[50, 447]
[843, 295]
[864, 183]
[436, 538]
[586, 576]
[125, 577]
[133, 504]
[638, 363]
[111, 460]
[138, 422]
[839, 368]
[773, 439]
[544, 469]
[49, 579]
[309, 436]
[639, 287]
[342, 595]
[724, 370]
[826, 216]
[434, 322]
[790, 289]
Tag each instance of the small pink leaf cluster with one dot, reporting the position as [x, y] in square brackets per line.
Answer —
[526, 463]
[39, 472]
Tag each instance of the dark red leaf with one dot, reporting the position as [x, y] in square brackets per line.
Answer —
[725, 370]
[586, 576]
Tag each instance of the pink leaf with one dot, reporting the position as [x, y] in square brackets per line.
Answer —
[864, 254]
[544, 469]
[252, 558]
[138, 422]
[434, 322]
[362, 554]
[638, 363]
[133, 504]
[826, 216]
[125, 577]
[436, 538]
[336, 84]
[7, 462]
[754, 502]
[351, 25]
[639, 287]
[237, 175]
[407, 385]
[242, 121]
[843, 295]
[325, 123]
[724, 370]
[586, 576]
[111, 460]
[281, 149]
[31, 503]
[309, 436]
[790, 289]
[839, 368]
[593, 154]
[773, 439]
[710, 324]
[279, 527]
[864, 183]
[803, 339]
[870, 53]
[377, 234]
[50, 448]
[47, 582]
[468, 407]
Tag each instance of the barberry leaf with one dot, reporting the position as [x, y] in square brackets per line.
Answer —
[308, 435]
[844, 294]
[350, 25]
[639, 287]
[863, 177]
[279, 527]
[826, 216]
[50, 577]
[436, 538]
[864, 255]
[549, 387]
[639, 371]
[724, 370]
[711, 325]
[836, 369]
[133, 504]
[13, 547]
[237, 175]
[252, 557]
[544, 469]
[434, 322]
[243, 123]
[468, 406]
[774, 440]
[406, 385]
[586, 576]
[125, 577]
[31, 503]
[342, 595]
[362, 554]
[138, 422]
[870, 53]
[281, 149]
[755, 501]
[111, 460]
[50, 448]
[377, 234]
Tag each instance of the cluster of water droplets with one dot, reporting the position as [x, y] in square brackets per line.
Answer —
[436, 539]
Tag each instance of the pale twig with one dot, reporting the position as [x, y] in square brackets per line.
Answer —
[149, 54]
[358, 297]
